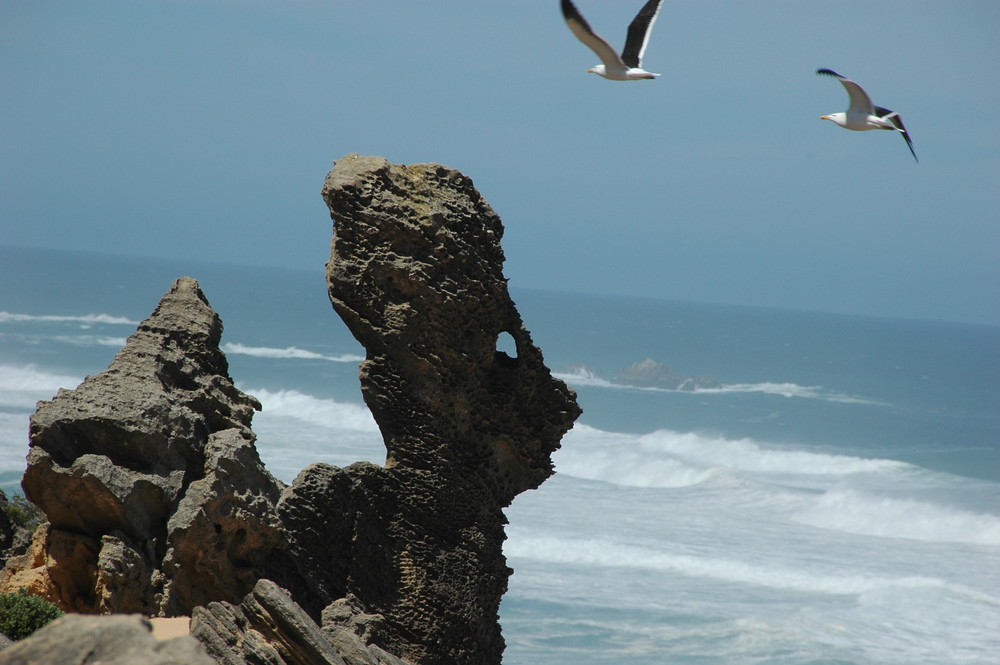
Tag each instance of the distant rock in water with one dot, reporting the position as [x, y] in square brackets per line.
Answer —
[652, 374]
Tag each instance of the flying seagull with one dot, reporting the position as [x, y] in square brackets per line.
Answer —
[628, 65]
[862, 115]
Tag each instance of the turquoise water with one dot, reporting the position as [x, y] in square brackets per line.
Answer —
[835, 500]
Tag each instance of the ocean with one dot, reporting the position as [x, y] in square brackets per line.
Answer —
[833, 498]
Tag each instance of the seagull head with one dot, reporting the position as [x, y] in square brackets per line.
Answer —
[597, 69]
[838, 118]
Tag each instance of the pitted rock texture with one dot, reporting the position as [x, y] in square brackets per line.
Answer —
[149, 478]
[416, 272]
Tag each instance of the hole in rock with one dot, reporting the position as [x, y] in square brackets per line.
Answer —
[506, 351]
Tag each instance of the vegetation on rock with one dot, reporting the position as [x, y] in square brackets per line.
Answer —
[21, 614]
[23, 513]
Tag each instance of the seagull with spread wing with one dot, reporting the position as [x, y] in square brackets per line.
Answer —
[862, 115]
[628, 65]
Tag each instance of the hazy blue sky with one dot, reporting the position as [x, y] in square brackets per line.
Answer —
[204, 129]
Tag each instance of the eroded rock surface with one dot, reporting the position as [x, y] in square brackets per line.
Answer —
[148, 476]
[158, 503]
[416, 272]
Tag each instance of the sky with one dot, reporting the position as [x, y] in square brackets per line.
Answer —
[203, 129]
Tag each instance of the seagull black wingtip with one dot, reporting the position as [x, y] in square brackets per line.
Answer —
[569, 10]
[828, 72]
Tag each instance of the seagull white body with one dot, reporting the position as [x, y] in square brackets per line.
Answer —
[626, 66]
[862, 115]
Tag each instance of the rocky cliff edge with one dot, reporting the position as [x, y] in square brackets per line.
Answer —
[158, 504]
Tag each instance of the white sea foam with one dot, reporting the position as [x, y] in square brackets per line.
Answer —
[605, 553]
[13, 441]
[582, 376]
[867, 514]
[666, 458]
[288, 352]
[789, 390]
[326, 413]
[23, 385]
[90, 340]
[86, 319]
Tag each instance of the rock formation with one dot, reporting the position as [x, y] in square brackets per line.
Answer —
[416, 273]
[155, 497]
[270, 627]
[650, 373]
[157, 501]
[76, 639]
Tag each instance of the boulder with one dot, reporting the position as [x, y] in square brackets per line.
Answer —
[76, 639]
[149, 478]
[416, 272]
[269, 627]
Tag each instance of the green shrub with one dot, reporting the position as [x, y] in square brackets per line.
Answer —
[23, 513]
[22, 614]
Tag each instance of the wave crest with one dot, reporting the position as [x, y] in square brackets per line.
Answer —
[581, 376]
[325, 413]
[665, 458]
[287, 352]
[606, 553]
[86, 319]
[852, 511]
[22, 386]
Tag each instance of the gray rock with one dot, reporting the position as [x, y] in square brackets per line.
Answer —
[76, 639]
[148, 476]
[267, 627]
[416, 272]
[352, 632]
[158, 502]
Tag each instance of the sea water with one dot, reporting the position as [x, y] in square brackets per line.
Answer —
[836, 499]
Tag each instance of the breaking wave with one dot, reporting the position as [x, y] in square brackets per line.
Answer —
[22, 386]
[862, 513]
[582, 376]
[86, 319]
[288, 352]
[326, 413]
[606, 553]
[666, 458]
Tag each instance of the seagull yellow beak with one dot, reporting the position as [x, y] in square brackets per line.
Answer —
[824, 117]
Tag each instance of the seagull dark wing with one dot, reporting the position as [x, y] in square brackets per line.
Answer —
[579, 26]
[638, 33]
[895, 119]
[860, 101]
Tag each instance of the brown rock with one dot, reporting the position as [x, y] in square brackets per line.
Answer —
[148, 476]
[416, 273]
